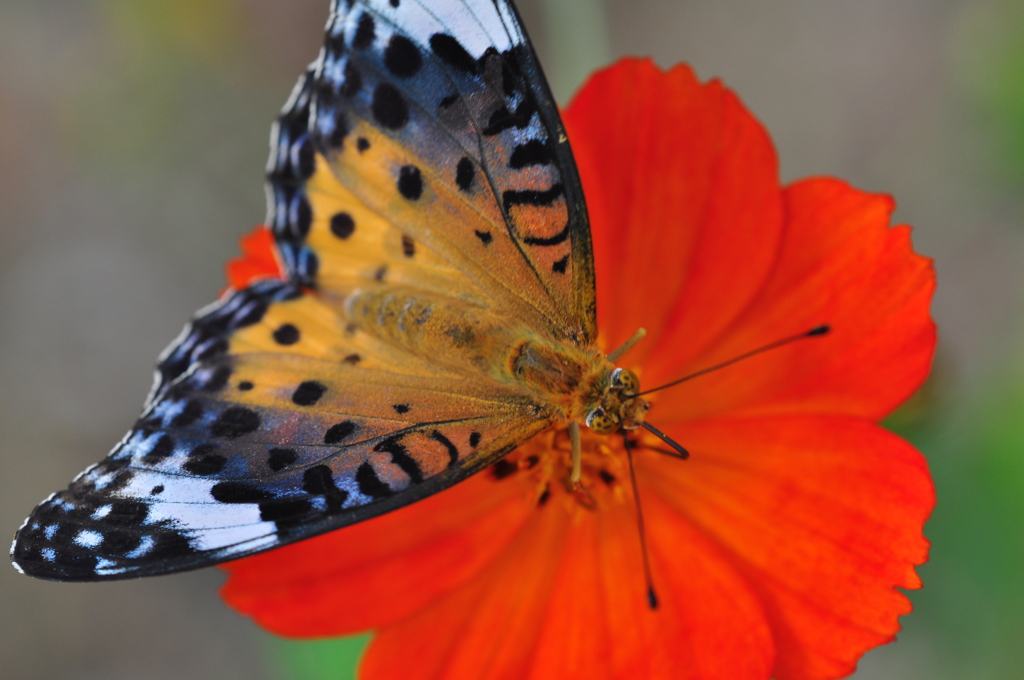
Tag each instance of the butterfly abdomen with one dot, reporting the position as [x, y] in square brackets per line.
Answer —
[471, 339]
[463, 336]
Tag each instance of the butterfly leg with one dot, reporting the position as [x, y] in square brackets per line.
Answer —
[577, 454]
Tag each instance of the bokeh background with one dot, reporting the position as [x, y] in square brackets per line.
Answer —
[134, 139]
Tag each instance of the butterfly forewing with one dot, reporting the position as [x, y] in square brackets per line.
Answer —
[447, 132]
[427, 210]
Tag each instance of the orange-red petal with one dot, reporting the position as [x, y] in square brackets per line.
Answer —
[777, 548]
[822, 516]
[568, 601]
[684, 199]
[258, 260]
[695, 240]
[842, 265]
[377, 572]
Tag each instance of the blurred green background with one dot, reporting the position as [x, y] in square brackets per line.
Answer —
[135, 135]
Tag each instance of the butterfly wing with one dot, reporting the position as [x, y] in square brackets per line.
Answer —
[241, 449]
[420, 155]
[435, 117]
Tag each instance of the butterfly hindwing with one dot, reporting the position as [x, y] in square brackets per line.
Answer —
[255, 445]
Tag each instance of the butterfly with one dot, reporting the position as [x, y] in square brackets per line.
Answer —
[438, 310]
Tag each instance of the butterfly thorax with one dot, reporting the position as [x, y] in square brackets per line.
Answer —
[571, 380]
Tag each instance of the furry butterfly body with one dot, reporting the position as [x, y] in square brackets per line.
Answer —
[437, 310]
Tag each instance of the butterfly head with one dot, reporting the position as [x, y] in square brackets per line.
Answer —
[620, 406]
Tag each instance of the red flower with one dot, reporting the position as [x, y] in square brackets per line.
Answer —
[776, 549]
[258, 261]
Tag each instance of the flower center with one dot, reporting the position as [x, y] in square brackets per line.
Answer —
[544, 464]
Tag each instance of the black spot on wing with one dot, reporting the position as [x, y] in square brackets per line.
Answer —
[118, 542]
[514, 197]
[400, 408]
[402, 57]
[453, 53]
[408, 246]
[370, 484]
[218, 380]
[389, 107]
[207, 465]
[362, 144]
[306, 266]
[560, 237]
[245, 385]
[338, 135]
[280, 458]
[235, 422]
[338, 433]
[308, 393]
[353, 83]
[334, 43]
[164, 447]
[534, 152]
[342, 225]
[285, 511]
[305, 158]
[126, 513]
[286, 334]
[238, 492]
[301, 214]
[504, 119]
[484, 236]
[560, 266]
[202, 450]
[365, 32]
[400, 457]
[474, 439]
[211, 349]
[410, 182]
[251, 313]
[465, 173]
[318, 481]
[453, 453]
[169, 545]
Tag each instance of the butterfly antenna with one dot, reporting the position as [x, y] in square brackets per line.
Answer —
[680, 452]
[626, 346]
[652, 597]
[817, 330]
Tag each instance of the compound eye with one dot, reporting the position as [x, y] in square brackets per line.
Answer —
[627, 380]
[600, 422]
